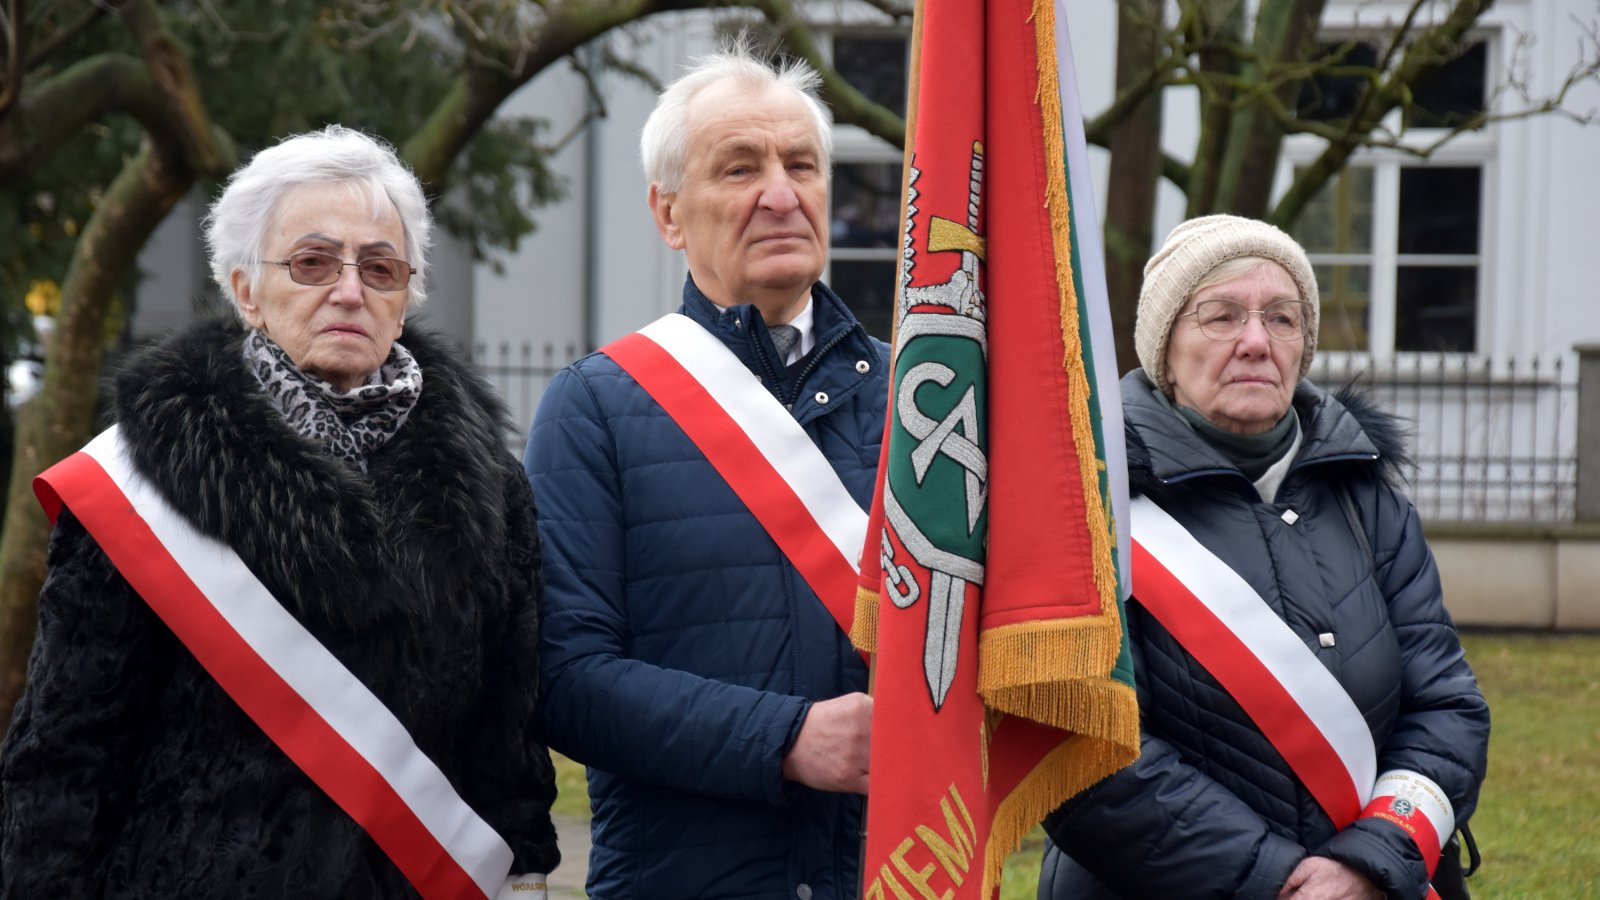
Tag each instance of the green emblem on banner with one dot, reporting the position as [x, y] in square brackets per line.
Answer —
[938, 471]
[939, 415]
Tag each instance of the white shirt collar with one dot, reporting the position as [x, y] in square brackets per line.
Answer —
[805, 321]
[1269, 482]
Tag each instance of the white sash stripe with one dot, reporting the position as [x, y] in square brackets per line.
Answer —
[769, 426]
[316, 675]
[1425, 795]
[1243, 612]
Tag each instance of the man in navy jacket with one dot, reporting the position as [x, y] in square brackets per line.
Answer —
[686, 660]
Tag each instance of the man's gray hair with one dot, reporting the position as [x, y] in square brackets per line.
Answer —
[236, 227]
[664, 143]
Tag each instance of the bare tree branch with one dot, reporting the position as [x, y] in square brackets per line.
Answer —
[849, 105]
[54, 110]
[496, 68]
[1431, 48]
[596, 110]
[613, 62]
[1097, 130]
[205, 148]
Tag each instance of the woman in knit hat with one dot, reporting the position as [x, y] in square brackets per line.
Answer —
[1311, 728]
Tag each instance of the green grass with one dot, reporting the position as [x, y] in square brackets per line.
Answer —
[1538, 822]
[572, 791]
[1019, 880]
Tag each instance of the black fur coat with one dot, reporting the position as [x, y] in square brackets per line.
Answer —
[128, 773]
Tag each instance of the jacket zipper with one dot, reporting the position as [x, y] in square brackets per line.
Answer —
[811, 366]
[766, 363]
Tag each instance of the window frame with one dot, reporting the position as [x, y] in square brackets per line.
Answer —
[1478, 149]
[853, 145]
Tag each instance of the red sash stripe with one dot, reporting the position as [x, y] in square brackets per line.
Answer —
[325, 754]
[735, 456]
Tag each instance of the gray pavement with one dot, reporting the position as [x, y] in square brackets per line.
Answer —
[572, 836]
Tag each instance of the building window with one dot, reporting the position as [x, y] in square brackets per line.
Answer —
[865, 230]
[1336, 230]
[1396, 240]
[1452, 93]
[865, 200]
[876, 64]
[1437, 263]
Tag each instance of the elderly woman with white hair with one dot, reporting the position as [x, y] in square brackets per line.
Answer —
[1311, 728]
[287, 644]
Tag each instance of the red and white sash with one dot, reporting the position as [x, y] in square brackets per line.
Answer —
[302, 697]
[1279, 682]
[758, 449]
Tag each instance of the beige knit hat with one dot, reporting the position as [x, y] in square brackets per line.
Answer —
[1191, 251]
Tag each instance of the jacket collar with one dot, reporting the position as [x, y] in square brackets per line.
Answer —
[841, 362]
[1163, 445]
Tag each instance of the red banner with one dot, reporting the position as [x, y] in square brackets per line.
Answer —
[990, 591]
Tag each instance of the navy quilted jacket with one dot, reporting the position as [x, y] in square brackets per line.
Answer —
[1210, 810]
[680, 649]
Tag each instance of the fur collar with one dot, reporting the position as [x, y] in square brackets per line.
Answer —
[331, 543]
[1387, 431]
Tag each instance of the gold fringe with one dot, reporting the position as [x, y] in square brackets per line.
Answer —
[1110, 742]
[864, 627]
[1032, 669]
[1105, 574]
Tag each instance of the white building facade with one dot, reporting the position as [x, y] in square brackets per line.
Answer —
[1479, 258]
[1484, 248]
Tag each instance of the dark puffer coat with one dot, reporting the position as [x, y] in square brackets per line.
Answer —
[681, 648]
[1210, 810]
[128, 773]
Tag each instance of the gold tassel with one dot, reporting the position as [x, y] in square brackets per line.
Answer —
[864, 627]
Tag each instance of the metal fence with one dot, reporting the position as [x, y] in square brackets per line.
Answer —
[1490, 441]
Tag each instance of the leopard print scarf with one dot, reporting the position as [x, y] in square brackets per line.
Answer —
[349, 424]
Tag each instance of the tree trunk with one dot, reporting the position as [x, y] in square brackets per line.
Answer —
[1283, 35]
[1135, 144]
[1218, 23]
[55, 423]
